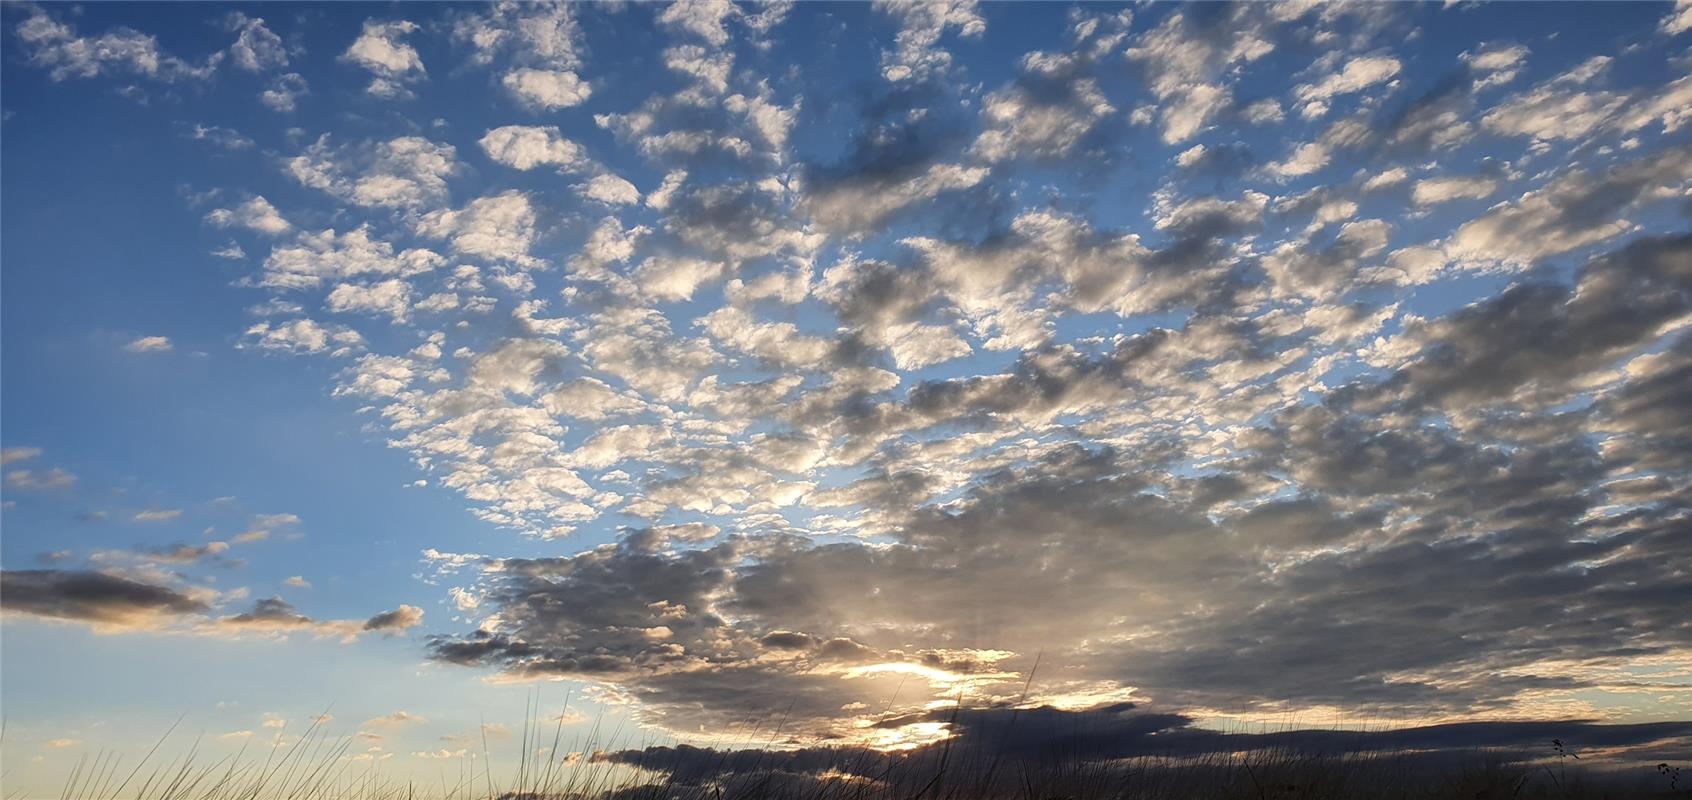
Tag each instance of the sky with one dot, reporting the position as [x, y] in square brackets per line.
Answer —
[682, 368]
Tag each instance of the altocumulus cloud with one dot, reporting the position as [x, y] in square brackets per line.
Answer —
[1207, 372]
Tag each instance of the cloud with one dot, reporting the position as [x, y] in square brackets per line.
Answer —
[1304, 160]
[256, 48]
[263, 525]
[542, 44]
[256, 214]
[1171, 347]
[1391, 177]
[1185, 65]
[1497, 57]
[1052, 107]
[860, 201]
[985, 740]
[149, 344]
[749, 621]
[1545, 336]
[1569, 107]
[525, 147]
[498, 227]
[381, 49]
[917, 54]
[1679, 20]
[610, 190]
[226, 138]
[1573, 211]
[270, 612]
[391, 297]
[709, 69]
[698, 124]
[702, 18]
[1357, 74]
[276, 616]
[547, 89]
[157, 515]
[314, 257]
[397, 718]
[398, 619]
[1498, 63]
[56, 46]
[182, 553]
[405, 172]
[1455, 187]
[284, 93]
[12, 455]
[93, 597]
[304, 336]
[30, 480]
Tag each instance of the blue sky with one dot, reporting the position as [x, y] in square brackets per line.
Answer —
[704, 360]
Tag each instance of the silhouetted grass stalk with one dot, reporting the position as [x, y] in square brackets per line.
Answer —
[317, 766]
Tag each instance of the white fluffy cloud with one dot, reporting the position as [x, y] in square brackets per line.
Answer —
[499, 227]
[1187, 68]
[391, 297]
[381, 48]
[55, 45]
[916, 52]
[304, 336]
[405, 172]
[547, 89]
[313, 257]
[255, 214]
[285, 92]
[256, 47]
[1453, 187]
[1679, 20]
[525, 147]
[611, 190]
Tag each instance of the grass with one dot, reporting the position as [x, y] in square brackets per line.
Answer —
[318, 766]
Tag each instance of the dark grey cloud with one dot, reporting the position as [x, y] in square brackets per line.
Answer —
[398, 619]
[278, 615]
[1533, 339]
[1003, 748]
[1123, 730]
[907, 148]
[1648, 415]
[270, 612]
[1056, 108]
[93, 597]
[612, 597]
[1221, 163]
[183, 553]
